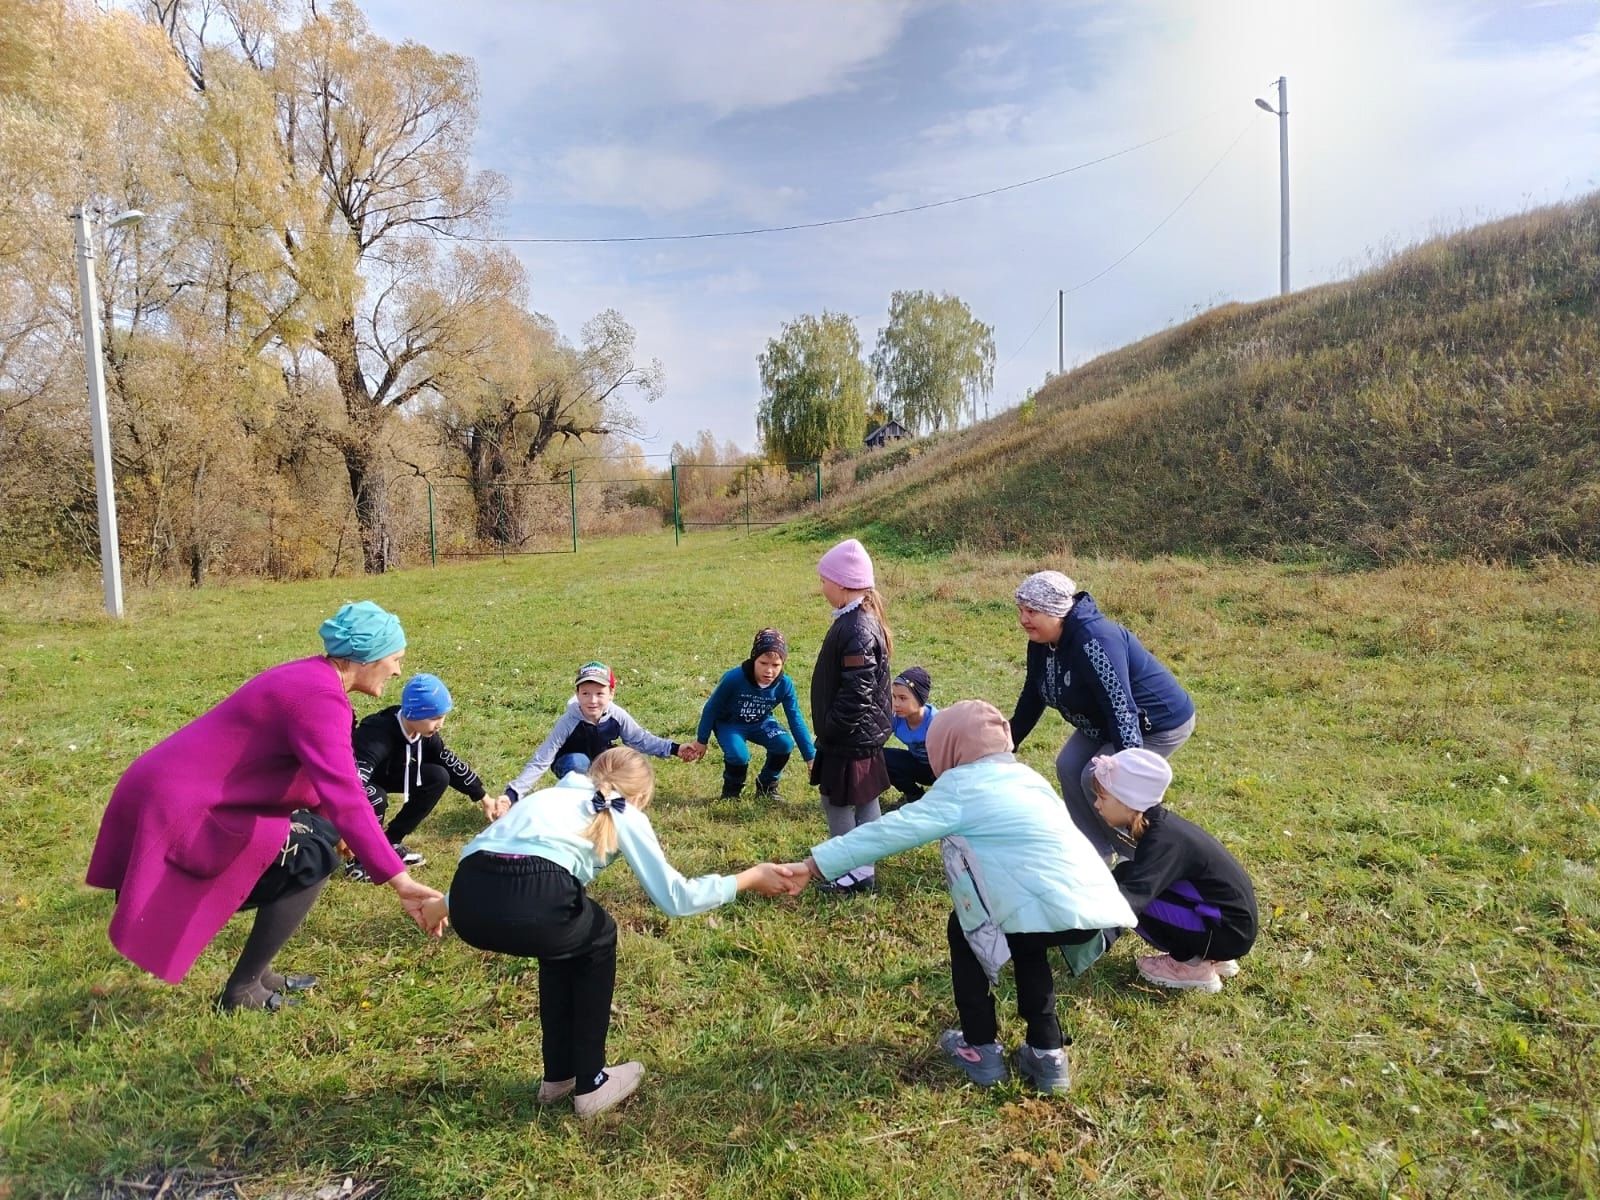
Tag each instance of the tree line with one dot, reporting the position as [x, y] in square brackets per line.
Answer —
[294, 322]
[933, 361]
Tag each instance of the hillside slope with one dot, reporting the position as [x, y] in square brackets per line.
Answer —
[1446, 403]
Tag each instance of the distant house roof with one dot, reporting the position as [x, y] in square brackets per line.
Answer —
[890, 431]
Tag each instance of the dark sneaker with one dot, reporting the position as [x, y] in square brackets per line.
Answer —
[860, 887]
[765, 790]
[1045, 1069]
[984, 1065]
[355, 872]
[407, 855]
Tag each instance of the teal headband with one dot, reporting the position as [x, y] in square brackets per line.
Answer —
[362, 632]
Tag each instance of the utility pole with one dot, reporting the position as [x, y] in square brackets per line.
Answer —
[1061, 330]
[1282, 113]
[99, 426]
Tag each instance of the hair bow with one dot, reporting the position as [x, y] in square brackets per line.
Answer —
[601, 803]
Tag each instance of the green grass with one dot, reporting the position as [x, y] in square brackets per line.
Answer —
[1406, 760]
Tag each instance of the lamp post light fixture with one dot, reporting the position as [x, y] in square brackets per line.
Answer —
[99, 426]
[1282, 113]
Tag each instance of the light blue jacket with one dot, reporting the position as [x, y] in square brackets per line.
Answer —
[1040, 875]
[550, 824]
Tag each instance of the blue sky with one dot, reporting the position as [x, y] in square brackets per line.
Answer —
[629, 117]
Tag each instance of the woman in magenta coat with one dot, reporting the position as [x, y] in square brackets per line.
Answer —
[242, 808]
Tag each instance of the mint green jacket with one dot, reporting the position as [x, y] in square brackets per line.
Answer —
[1038, 873]
[549, 824]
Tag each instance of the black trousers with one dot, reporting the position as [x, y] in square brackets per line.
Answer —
[1036, 985]
[534, 908]
[423, 796]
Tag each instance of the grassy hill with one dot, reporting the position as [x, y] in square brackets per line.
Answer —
[1444, 404]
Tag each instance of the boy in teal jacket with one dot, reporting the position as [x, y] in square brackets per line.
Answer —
[739, 713]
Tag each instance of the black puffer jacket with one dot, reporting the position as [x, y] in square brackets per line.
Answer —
[850, 706]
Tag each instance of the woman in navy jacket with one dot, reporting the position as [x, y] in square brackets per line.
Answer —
[1112, 691]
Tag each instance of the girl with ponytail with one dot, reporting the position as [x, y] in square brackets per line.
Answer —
[520, 889]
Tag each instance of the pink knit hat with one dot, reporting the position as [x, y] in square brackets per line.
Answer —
[848, 565]
[1136, 776]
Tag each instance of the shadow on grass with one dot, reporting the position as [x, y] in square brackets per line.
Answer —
[176, 1110]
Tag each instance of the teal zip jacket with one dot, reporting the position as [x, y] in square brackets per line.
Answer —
[549, 824]
[1039, 874]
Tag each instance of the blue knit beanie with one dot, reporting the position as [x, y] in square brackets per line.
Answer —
[424, 697]
[362, 632]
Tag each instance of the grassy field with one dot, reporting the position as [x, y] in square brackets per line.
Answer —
[1406, 760]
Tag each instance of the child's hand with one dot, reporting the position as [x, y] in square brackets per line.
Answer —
[435, 916]
[692, 751]
[770, 879]
[495, 807]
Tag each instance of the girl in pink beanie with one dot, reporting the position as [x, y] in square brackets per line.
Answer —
[1193, 899]
[851, 709]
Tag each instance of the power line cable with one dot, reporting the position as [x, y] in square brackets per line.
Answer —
[531, 239]
[1129, 253]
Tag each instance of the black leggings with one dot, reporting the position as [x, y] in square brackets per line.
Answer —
[422, 796]
[1036, 985]
[534, 908]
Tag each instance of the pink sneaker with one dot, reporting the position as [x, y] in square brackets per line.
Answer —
[1165, 971]
[1226, 968]
[552, 1090]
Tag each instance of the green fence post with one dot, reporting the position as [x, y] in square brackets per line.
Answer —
[572, 500]
[677, 516]
[819, 480]
[747, 501]
[433, 536]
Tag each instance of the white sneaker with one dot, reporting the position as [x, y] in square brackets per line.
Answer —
[1226, 968]
[621, 1082]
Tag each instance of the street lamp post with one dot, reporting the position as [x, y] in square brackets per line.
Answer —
[1282, 113]
[99, 426]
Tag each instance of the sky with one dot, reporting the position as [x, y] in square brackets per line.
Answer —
[654, 118]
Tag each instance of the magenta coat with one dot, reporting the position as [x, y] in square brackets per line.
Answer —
[197, 818]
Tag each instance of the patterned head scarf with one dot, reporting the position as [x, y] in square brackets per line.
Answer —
[1049, 592]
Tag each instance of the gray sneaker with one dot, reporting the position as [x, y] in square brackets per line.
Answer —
[1045, 1069]
[984, 1065]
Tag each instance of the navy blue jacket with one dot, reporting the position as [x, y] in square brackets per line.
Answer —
[1099, 677]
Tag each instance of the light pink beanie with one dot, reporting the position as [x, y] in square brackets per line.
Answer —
[1136, 776]
[848, 565]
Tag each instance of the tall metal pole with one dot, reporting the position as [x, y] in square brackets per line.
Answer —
[572, 500]
[1283, 185]
[1061, 331]
[677, 514]
[99, 426]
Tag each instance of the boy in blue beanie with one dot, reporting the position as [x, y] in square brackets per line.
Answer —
[398, 749]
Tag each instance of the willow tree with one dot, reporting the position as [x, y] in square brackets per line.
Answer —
[814, 388]
[933, 359]
[333, 166]
[525, 391]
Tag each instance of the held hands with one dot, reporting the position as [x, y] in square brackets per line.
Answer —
[495, 807]
[414, 897]
[692, 751]
[774, 879]
[435, 916]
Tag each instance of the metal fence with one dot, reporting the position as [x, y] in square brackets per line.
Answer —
[502, 520]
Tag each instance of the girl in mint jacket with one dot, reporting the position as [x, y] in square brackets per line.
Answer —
[1019, 870]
